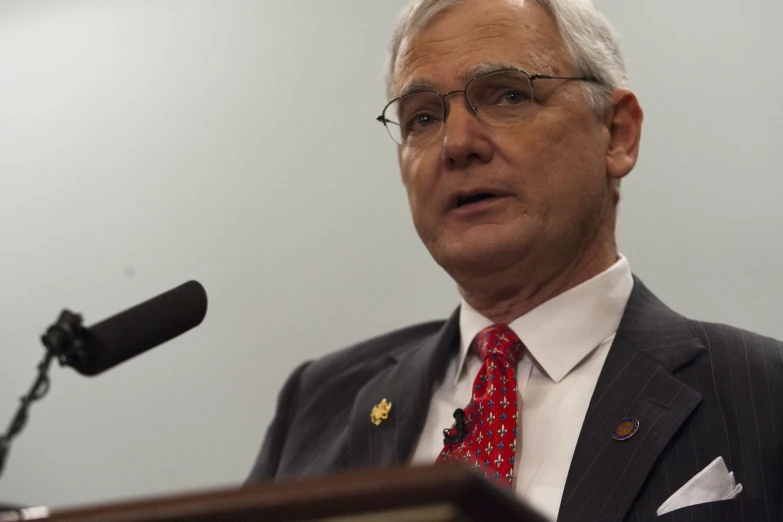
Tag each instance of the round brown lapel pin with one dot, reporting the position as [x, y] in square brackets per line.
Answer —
[626, 429]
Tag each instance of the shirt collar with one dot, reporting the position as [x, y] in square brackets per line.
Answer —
[561, 332]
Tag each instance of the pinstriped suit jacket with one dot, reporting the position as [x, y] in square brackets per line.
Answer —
[699, 390]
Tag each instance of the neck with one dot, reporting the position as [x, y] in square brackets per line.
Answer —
[503, 297]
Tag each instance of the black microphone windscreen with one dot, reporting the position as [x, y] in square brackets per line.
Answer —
[143, 327]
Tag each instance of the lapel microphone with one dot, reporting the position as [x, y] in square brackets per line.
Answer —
[459, 431]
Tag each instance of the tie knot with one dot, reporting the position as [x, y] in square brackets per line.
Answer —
[499, 340]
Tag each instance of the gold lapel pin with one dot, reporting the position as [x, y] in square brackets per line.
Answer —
[380, 412]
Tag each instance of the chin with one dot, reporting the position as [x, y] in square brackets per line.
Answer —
[485, 255]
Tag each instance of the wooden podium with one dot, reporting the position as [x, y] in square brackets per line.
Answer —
[434, 494]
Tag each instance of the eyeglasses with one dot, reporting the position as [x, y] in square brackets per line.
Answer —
[500, 98]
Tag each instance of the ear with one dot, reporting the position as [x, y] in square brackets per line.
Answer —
[624, 122]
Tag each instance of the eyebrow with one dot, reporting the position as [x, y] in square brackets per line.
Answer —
[490, 67]
[420, 84]
[416, 85]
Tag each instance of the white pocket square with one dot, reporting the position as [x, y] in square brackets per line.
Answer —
[712, 484]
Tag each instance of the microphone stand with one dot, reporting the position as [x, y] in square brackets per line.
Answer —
[63, 340]
[37, 391]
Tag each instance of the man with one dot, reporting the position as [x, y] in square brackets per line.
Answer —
[577, 388]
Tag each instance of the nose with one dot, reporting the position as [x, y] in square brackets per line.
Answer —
[464, 137]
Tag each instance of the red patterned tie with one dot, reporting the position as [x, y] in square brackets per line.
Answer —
[491, 416]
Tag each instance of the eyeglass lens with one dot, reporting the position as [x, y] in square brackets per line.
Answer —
[502, 98]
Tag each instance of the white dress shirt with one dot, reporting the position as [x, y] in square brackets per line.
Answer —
[567, 340]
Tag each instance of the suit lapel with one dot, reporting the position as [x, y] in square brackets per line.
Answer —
[637, 382]
[407, 383]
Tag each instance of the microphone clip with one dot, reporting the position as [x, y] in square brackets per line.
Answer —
[459, 432]
[66, 340]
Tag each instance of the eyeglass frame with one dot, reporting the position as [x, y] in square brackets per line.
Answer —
[382, 119]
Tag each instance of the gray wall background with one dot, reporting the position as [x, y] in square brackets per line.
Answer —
[146, 143]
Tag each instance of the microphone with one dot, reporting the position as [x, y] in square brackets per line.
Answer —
[459, 431]
[93, 350]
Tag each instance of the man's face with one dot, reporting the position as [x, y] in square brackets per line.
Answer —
[548, 175]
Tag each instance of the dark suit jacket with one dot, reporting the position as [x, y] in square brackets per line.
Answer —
[699, 391]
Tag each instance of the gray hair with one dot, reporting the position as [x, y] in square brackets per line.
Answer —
[588, 39]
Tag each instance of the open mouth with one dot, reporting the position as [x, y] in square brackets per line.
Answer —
[474, 198]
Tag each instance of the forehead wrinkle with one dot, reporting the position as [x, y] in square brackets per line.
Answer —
[421, 63]
[479, 69]
[421, 84]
